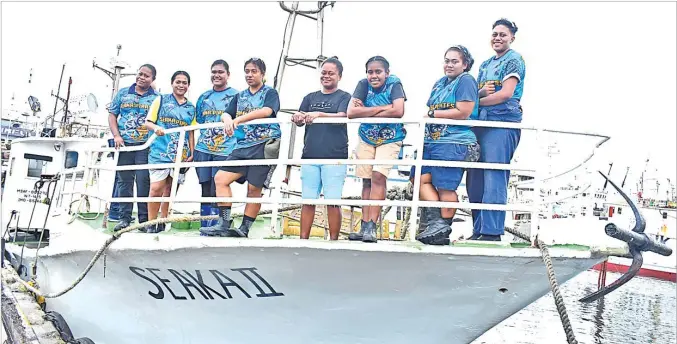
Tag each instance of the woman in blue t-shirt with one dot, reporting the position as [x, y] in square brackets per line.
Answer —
[380, 94]
[167, 112]
[454, 96]
[501, 83]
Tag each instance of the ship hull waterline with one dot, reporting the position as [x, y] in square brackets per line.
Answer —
[295, 294]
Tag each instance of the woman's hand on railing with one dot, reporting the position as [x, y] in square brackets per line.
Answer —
[299, 118]
[159, 132]
[310, 117]
[228, 124]
[119, 142]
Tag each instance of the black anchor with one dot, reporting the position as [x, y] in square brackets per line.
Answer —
[637, 241]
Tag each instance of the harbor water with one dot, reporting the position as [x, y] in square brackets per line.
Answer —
[642, 311]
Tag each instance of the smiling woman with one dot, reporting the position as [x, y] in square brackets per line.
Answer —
[168, 111]
[454, 96]
[380, 94]
[501, 83]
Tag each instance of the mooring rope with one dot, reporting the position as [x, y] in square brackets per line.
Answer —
[559, 300]
[107, 243]
[116, 235]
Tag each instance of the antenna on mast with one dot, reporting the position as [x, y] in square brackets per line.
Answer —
[608, 174]
[626, 176]
[116, 74]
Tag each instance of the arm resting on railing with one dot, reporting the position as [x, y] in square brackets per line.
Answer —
[357, 110]
[159, 131]
[152, 117]
[263, 112]
[396, 111]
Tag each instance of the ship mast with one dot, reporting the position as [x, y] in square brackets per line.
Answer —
[116, 74]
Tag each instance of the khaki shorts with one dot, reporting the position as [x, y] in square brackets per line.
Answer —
[389, 151]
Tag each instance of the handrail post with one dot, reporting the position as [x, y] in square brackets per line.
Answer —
[89, 155]
[413, 227]
[538, 182]
[276, 194]
[176, 168]
[108, 197]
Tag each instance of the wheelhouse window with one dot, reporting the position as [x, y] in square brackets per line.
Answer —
[36, 164]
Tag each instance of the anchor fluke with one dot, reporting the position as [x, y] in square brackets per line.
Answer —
[637, 241]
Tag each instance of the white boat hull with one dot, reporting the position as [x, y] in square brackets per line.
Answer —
[296, 291]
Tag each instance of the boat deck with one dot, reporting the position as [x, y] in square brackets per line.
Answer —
[87, 235]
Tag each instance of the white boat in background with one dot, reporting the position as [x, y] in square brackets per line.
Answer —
[573, 208]
[177, 286]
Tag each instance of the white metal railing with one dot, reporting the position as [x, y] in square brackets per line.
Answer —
[284, 160]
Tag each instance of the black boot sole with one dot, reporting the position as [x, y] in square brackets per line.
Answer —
[436, 239]
[355, 237]
[236, 233]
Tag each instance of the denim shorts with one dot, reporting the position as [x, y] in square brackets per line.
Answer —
[327, 178]
[447, 178]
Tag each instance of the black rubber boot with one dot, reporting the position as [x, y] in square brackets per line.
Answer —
[155, 228]
[437, 228]
[357, 236]
[220, 229]
[121, 225]
[369, 232]
[242, 232]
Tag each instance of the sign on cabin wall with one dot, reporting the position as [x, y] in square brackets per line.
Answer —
[16, 132]
[30, 195]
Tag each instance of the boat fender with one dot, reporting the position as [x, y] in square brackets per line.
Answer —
[84, 340]
[61, 326]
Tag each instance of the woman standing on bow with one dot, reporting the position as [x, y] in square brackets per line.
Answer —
[454, 96]
[167, 112]
[501, 84]
[380, 94]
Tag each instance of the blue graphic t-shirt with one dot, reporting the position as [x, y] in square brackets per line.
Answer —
[380, 134]
[496, 71]
[210, 106]
[167, 113]
[249, 135]
[445, 94]
[131, 110]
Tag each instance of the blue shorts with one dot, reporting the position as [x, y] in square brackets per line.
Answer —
[205, 174]
[328, 178]
[447, 178]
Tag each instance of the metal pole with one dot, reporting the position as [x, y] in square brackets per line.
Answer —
[65, 111]
[56, 102]
[320, 36]
[116, 81]
[287, 44]
[280, 74]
